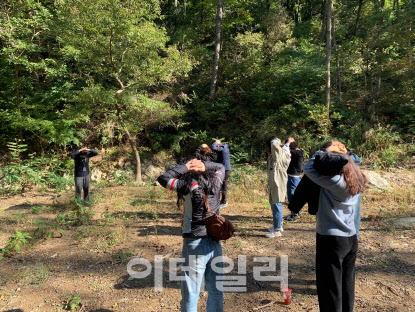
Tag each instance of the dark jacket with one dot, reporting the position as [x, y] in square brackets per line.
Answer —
[297, 161]
[309, 192]
[208, 157]
[306, 192]
[194, 205]
[224, 156]
[82, 164]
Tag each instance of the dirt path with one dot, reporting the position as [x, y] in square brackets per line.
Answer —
[90, 259]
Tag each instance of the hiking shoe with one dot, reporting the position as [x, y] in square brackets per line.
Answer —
[273, 233]
[272, 228]
[292, 218]
[223, 205]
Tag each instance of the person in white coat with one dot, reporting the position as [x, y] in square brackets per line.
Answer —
[277, 165]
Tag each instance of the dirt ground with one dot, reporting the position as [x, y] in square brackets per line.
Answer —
[87, 265]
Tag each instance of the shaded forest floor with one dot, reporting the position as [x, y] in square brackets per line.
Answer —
[90, 259]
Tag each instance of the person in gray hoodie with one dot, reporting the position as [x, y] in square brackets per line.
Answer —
[336, 241]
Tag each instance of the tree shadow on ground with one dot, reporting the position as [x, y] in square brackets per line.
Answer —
[156, 229]
[25, 206]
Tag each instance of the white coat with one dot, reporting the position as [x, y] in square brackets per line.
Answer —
[277, 166]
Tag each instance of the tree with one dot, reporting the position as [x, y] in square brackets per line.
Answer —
[219, 15]
[33, 79]
[336, 51]
[119, 53]
[328, 53]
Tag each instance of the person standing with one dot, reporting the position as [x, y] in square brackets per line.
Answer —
[204, 153]
[294, 172]
[336, 241]
[194, 180]
[277, 165]
[81, 172]
[224, 157]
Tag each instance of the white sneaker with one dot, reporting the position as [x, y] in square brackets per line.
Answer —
[273, 233]
[272, 228]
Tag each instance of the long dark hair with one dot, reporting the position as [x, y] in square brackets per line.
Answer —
[355, 179]
[207, 181]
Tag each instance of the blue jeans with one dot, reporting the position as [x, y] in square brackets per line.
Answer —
[198, 255]
[291, 186]
[277, 215]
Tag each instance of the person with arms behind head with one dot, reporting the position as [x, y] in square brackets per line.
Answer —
[294, 173]
[196, 181]
[277, 164]
[336, 241]
[223, 157]
[81, 172]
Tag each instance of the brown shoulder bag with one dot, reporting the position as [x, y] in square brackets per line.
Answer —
[217, 226]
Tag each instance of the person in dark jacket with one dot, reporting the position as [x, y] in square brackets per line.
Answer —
[294, 172]
[81, 172]
[193, 179]
[223, 157]
[204, 153]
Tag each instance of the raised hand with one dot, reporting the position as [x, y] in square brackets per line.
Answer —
[337, 147]
[195, 165]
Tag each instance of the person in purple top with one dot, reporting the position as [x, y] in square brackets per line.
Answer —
[223, 157]
[81, 172]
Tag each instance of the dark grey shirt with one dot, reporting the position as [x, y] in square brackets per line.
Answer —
[82, 164]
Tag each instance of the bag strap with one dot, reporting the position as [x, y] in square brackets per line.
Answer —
[207, 206]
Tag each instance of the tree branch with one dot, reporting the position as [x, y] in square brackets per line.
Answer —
[114, 67]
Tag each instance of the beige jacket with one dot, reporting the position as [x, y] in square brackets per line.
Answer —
[277, 166]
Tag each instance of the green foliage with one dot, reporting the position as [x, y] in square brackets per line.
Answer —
[109, 71]
[36, 210]
[34, 80]
[21, 174]
[73, 303]
[119, 177]
[18, 240]
[49, 229]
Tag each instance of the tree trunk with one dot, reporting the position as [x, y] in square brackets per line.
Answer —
[176, 2]
[297, 12]
[133, 144]
[202, 12]
[136, 155]
[219, 15]
[379, 52]
[336, 51]
[323, 20]
[359, 9]
[17, 87]
[310, 11]
[328, 54]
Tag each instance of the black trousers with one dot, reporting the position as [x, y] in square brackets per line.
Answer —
[335, 272]
[225, 188]
[82, 183]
